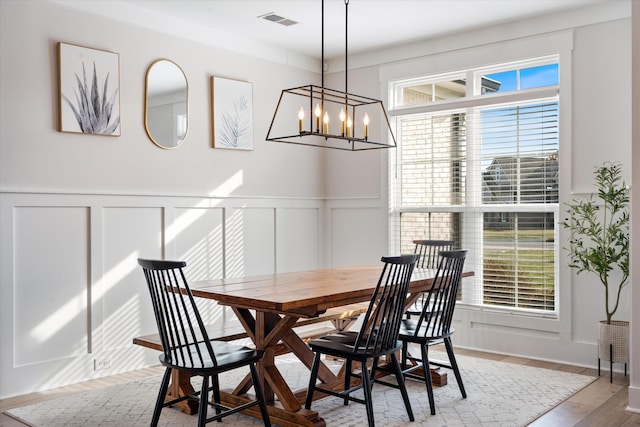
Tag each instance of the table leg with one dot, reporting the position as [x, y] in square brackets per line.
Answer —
[268, 359]
[304, 353]
[267, 330]
[179, 386]
[277, 414]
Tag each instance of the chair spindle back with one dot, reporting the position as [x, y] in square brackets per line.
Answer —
[182, 331]
[428, 250]
[381, 323]
[440, 301]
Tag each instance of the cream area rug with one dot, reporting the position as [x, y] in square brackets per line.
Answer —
[498, 394]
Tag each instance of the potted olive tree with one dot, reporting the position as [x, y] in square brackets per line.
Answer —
[599, 244]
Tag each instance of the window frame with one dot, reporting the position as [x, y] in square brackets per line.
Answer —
[560, 44]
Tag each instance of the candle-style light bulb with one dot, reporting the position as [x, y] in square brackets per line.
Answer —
[318, 112]
[365, 120]
[300, 119]
[326, 122]
[342, 117]
[349, 125]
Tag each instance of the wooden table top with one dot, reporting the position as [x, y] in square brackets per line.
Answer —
[304, 293]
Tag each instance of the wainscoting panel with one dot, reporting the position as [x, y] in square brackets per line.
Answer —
[128, 234]
[51, 264]
[249, 241]
[72, 296]
[197, 235]
[357, 236]
[298, 240]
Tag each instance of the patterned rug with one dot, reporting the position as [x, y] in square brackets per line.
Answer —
[499, 394]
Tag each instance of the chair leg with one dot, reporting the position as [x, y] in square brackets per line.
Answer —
[366, 387]
[374, 368]
[402, 385]
[312, 381]
[347, 379]
[404, 354]
[164, 385]
[454, 365]
[216, 394]
[260, 395]
[204, 401]
[427, 377]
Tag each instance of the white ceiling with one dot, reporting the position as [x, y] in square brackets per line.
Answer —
[372, 23]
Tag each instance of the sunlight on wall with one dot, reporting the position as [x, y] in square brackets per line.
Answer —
[188, 218]
[124, 324]
[76, 305]
[185, 220]
[204, 257]
[235, 244]
[114, 276]
[61, 317]
[205, 261]
[111, 337]
[56, 321]
[227, 188]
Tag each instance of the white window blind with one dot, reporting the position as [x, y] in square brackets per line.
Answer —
[519, 165]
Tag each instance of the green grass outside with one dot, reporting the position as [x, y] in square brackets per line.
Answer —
[546, 235]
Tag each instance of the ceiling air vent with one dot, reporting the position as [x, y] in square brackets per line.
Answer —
[278, 19]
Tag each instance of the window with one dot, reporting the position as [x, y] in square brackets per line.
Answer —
[523, 78]
[422, 92]
[478, 164]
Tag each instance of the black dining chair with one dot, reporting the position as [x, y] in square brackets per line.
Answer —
[427, 251]
[434, 324]
[186, 345]
[377, 337]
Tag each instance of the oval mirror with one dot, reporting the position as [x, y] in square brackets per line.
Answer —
[165, 113]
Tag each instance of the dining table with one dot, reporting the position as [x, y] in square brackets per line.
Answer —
[269, 306]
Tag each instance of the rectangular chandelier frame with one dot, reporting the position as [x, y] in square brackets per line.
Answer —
[315, 133]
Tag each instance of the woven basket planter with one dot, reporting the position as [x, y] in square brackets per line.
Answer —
[613, 341]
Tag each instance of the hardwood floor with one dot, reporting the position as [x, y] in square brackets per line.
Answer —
[599, 404]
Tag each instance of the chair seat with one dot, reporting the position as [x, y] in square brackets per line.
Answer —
[415, 309]
[228, 356]
[408, 332]
[345, 337]
[342, 345]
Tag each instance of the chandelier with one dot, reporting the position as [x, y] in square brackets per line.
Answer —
[331, 118]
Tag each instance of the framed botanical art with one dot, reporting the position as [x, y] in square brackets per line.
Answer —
[232, 113]
[89, 90]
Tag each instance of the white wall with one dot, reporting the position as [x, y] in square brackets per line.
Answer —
[76, 211]
[35, 157]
